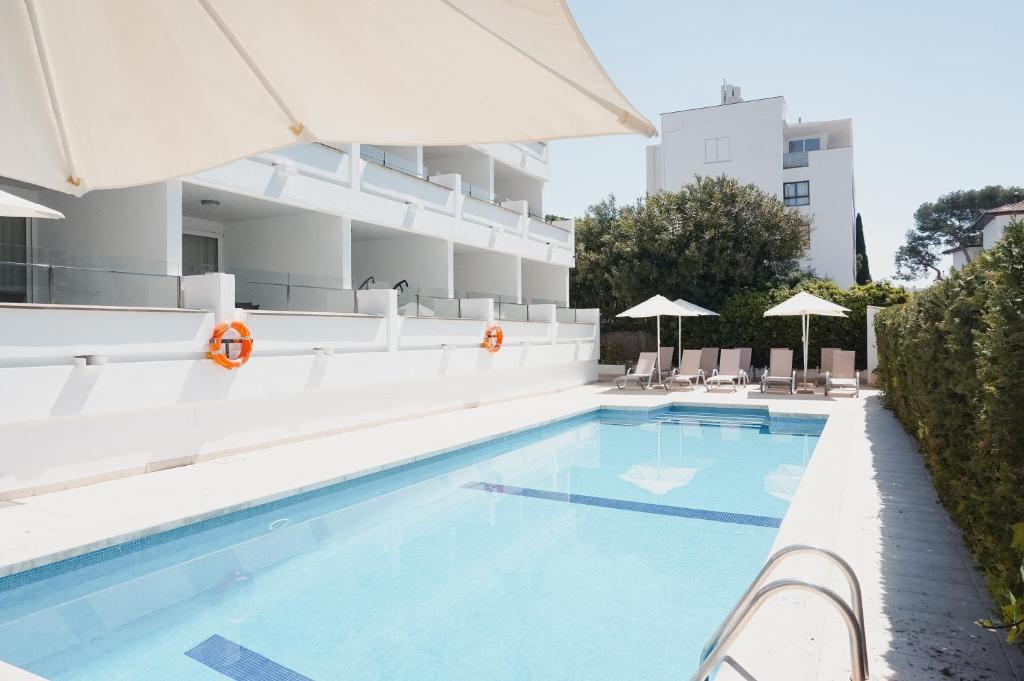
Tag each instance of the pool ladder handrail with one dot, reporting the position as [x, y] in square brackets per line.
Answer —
[756, 596]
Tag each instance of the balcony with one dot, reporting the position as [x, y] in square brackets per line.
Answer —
[795, 159]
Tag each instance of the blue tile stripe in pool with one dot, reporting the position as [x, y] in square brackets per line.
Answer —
[240, 663]
[626, 505]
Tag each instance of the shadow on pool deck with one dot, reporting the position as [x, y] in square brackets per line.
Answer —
[921, 614]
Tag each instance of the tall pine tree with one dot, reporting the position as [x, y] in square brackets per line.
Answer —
[863, 270]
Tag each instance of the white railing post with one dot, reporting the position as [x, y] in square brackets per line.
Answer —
[478, 308]
[213, 291]
[545, 313]
[382, 302]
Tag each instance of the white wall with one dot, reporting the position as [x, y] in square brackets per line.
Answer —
[549, 282]
[755, 134]
[474, 167]
[521, 188]
[158, 403]
[488, 273]
[136, 229]
[993, 231]
[422, 261]
[303, 243]
[832, 253]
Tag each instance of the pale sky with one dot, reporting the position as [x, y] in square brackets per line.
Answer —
[935, 90]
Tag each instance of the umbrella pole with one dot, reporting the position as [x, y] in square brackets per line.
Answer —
[805, 323]
[679, 337]
[657, 320]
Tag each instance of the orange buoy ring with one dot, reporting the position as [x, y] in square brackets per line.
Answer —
[493, 337]
[231, 352]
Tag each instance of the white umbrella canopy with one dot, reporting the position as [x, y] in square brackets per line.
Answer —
[12, 206]
[112, 93]
[803, 305]
[656, 306]
[695, 311]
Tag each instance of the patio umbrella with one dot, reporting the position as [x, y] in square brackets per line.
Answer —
[694, 311]
[12, 206]
[804, 305]
[113, 93]
[656, 306]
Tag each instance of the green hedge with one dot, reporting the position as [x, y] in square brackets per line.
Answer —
[742, 322]
[951, 363]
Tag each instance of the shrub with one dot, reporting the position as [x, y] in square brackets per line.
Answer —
[951, 363]
[741, 322]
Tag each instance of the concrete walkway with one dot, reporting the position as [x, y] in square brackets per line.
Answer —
[865, 495]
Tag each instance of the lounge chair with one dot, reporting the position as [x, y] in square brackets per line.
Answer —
[779, 371]
[843, 375]
[825, 363]
[642, 374]
[689, 371]
[708, 360]
[746, 367]
[728, 371]
[665, 355]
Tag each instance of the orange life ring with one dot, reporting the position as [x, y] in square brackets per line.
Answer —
[221, 348]
[493, 337]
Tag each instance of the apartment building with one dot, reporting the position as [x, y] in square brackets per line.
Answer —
[303, 227]
[809, 165]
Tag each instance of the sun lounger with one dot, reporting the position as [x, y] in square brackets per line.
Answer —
[843, 375]
[826, 363]
[728, 371]
[689, 371]
[666, 361]
[746, 367]
[642, 374]
[708, 360]
[780, 371]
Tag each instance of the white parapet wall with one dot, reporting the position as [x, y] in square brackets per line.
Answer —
[90, 393]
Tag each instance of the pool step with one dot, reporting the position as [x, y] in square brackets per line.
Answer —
[741, 421]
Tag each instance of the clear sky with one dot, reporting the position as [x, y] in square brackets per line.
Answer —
[935, 90]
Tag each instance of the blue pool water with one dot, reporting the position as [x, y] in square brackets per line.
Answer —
[607, 546]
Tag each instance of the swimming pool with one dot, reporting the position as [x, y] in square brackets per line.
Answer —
[606, 546]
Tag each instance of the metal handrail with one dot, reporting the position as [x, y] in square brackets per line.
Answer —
[856, 598]
[858, 646]
[740, 610]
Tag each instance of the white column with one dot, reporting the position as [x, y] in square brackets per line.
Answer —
[451, 269]
[519, 278]
[172, 227]
[346, 252]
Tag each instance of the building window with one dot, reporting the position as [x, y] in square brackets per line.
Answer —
[809, 144]
[796, 193]
[199, 254]
[716, 149]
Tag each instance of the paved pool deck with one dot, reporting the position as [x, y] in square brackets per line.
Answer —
[865, 494]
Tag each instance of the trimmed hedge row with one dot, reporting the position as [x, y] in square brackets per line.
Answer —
[741, 323]
[951, 363]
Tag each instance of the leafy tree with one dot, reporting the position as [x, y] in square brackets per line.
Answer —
[946, 223]
[712, 238]
[551, 217]
[863, 268]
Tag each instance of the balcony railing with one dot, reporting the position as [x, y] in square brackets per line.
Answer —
[795, 159]
[391, 160]
[65, 285]
[291, 291]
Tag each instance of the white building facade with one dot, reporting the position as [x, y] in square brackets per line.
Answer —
[809, 165]
[302, 227]
[366, 275]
